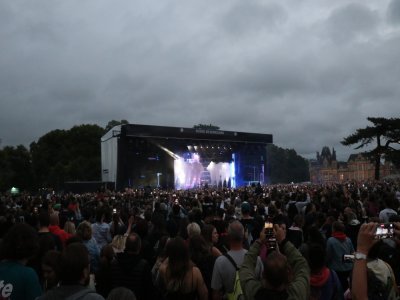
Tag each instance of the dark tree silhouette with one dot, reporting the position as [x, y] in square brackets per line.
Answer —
[386, 133]
[67, 155]
[113, 123]
[286, 166]
[15, 168]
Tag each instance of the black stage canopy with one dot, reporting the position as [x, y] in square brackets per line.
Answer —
[150, 131]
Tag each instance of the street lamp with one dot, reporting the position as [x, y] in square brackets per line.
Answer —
[158, 179]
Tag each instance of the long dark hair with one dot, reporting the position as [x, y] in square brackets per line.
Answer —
[198, 249]
[178, 259]
[207, 232]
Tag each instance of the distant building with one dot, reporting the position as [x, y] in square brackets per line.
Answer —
[326, 169]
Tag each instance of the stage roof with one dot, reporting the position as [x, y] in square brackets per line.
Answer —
[150, 131]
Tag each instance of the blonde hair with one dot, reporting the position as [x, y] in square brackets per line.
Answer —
[118, 243]
[69, 227]
[193, 229]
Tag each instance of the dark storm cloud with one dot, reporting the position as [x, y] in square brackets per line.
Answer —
[309, 72]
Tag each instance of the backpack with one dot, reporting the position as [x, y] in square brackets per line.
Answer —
[237, 293]
[376, 288]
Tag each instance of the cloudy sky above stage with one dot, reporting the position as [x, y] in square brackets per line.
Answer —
[308, 72]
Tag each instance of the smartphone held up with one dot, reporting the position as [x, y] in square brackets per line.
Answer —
[270, 236]
[384, 231]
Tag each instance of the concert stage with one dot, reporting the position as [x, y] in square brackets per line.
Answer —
[182, 158]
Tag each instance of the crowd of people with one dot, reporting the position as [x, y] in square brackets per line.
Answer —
[260, 242]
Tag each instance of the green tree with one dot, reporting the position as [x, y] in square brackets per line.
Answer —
[286, 165]
[113, 123]
[386, 133]
[67, 155]
[15, 168]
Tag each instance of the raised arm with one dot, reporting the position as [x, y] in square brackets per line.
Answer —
[299, 288]
[365, 240]
[248, 281]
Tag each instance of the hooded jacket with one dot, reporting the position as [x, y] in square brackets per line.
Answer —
[325, 285]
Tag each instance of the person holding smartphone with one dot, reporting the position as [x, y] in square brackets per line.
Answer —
[286, 272]
[372, 276]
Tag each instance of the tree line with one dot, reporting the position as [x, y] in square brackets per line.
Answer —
[75, 155]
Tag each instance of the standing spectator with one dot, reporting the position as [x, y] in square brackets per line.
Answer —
[55, 228]
[210, 235]
[193, 229]
[201, 256]
[84, 231]
[47, 241]
[103, 275]
[324, 282]
[286, 275]
[223, 277]
[174, 220]
[372, 278]
[49, 269]
[295, 232]
[16, 280]
[116, 225]
[121, 293]
[247, 222]
[391, 205]
[130, 270]
[69, 227]
[100, 229]
[179, 277]
[74, 275]
[336, 247]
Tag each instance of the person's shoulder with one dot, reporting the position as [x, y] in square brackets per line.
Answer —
[331, 240]
[221, 260]
[85, 294]
[26, 272]
[163, 266]
[196, 271]
[92, 295]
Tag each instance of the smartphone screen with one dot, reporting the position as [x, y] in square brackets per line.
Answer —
[268, 225]
[384, 231]
[268, 229]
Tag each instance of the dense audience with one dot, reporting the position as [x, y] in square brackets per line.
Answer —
[264, 242]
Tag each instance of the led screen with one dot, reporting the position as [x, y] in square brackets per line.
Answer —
[191, 172]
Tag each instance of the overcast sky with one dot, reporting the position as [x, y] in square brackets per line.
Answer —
[307, 72]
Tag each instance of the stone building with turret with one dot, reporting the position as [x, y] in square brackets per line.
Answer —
[325, 169]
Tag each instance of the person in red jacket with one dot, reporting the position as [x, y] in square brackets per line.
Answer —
[55, 228]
